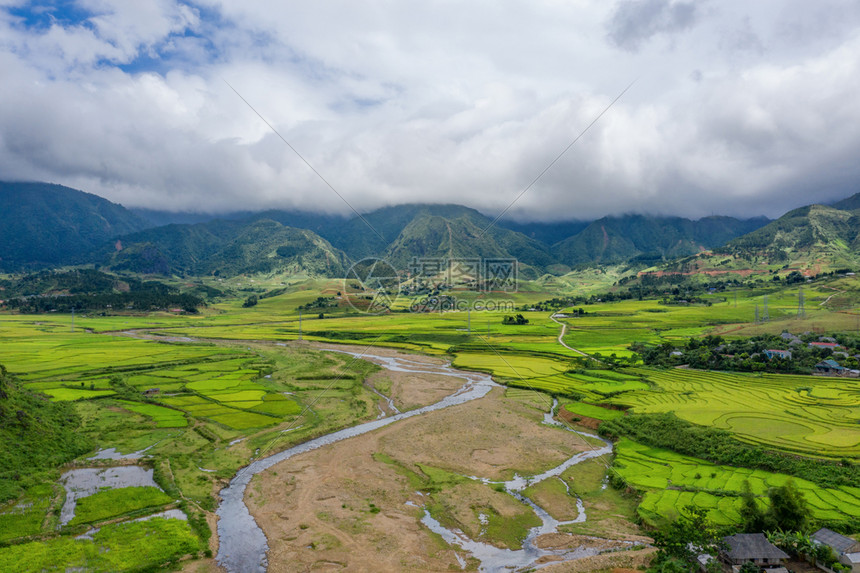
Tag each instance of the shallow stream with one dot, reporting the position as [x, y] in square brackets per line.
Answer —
[243, 545]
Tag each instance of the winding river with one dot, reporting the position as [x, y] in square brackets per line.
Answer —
[243, 545]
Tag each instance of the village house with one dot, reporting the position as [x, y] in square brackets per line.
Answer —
[846, 549]
[784, 354]
[754, 547]
[830, 345]
[828, 367]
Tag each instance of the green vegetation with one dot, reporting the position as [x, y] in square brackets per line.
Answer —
[115, 502]
[582, 409]
[670, 481]
[45, 224]
[751, 354]
[718, 446]
[136, 546]
[37, 436]
[24, 516]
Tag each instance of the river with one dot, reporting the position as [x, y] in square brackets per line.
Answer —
[243, 545]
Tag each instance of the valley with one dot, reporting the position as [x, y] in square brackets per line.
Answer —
[197, 396]
[242, 407]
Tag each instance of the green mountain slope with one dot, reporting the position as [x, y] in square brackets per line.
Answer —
[850, 204]
[816, 234]
[430, 235]
[37, 435]
[47, 225]
[618, 239]
[226, 248]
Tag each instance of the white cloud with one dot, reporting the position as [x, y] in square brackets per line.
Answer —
[439, 102]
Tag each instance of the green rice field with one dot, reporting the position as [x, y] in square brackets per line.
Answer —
[670, 481]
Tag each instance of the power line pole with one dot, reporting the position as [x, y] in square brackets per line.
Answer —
[756, 314]
[469, 321]
[766, 316]
[300, 325]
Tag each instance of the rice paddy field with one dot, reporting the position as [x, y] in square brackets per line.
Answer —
[196, 412]
[812, 415]
[671, 481]
[200, 395]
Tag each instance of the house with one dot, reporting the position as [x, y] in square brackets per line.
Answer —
[846, 549]
[830, 345]
[784, 354]
[151, 391]
[789, 336]
[828, 367]
[755, 547]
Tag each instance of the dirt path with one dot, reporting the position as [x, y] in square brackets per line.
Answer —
[831, 296]
[561, 337]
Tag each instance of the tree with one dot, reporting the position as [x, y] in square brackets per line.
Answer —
[749, 567]
[681, 542]
[788, 508]
[754, 519]
[250, 301]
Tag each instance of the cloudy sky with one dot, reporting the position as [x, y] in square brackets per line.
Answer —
[737, 107]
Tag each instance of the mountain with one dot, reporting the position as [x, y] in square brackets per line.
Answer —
[546, 233]
[649, 238]
[429, 235]
[225, 248]
[850, 204]
[373, 232]
[816, 234]
[47, 225]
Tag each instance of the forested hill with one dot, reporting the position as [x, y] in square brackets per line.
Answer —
[47, 225]
[619, 239]
[37, 436]
[814, 233]
[225, 248]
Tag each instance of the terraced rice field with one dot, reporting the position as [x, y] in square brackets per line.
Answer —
[769, 409]
[670, 481]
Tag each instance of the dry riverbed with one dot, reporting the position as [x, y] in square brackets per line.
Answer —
[350, 505]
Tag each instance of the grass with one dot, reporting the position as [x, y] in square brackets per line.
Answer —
[552, 495]
[163, 417]
[590, 411]
[135, 546]
[25, 516]
[111, 503]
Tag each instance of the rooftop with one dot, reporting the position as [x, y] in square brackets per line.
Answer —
[750, 546]
[838, 542]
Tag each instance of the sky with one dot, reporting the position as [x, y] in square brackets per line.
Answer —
[736, 107]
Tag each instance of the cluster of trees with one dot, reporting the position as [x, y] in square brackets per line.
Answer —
[319, 303]
[135, 300]
[90, 289]
[801, 545]
[747, 355]
[518, 319]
